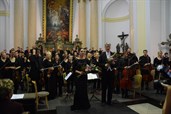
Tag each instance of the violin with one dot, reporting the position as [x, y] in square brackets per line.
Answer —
[60, 70]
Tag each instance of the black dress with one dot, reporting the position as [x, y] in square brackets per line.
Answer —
[81, 100]
[156, 63]
[50, 80]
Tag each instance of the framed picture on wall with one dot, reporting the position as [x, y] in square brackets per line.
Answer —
[57, 20]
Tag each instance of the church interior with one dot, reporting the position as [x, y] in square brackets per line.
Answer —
[85, 56]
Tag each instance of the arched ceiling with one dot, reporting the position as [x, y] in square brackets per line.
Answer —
[117, 8]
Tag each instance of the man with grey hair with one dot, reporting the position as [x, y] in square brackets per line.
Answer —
[107, 64]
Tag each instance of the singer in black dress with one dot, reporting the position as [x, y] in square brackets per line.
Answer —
[81, 100]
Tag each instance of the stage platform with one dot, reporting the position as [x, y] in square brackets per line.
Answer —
[61, 105]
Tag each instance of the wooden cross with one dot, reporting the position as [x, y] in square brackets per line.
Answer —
[123, 37]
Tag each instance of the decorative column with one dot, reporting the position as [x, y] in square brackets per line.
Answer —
[32, 22]
[82, 22]
[141, 25]
[131, 25]
[93, 24]
[18, 23]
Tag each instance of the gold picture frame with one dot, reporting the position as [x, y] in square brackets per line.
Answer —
[44, 18]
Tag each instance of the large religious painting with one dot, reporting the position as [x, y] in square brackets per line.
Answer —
[57, 20]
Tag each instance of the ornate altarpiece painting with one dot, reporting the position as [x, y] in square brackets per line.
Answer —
[57, 23]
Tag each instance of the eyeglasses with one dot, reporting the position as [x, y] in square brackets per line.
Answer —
[82, 51]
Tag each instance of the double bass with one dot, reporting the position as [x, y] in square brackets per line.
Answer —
[127, 74]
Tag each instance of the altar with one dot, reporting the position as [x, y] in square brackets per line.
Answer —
[58, 43]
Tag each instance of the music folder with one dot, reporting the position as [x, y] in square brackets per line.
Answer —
[68, 75]
[17, 96]
[92, 76]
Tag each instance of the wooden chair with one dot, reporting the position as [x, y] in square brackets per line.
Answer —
[137, 82]
[41, 94]
[28, 83]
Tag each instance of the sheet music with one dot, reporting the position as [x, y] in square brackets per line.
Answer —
[68, 75]
[92, 76]
[17, 96]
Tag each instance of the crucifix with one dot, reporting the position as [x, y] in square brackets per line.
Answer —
[168, 42]
[123, 37]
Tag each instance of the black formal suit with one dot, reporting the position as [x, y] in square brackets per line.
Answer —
[107, 78]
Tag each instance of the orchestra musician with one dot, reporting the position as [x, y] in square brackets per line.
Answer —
[89, 57]
[95, 62]
[81, 100]
[48, 75]
[120, 67]
[145, 66]
[68, 64]
[107, 64]
[58, 75]
[130, 60]
[12, 70]
[35, 62]
[166, 64]
[3, 63]
[157, 63]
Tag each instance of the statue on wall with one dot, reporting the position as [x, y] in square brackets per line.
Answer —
[77, 43]
[118, 48]
[40, 43]
[124, 46]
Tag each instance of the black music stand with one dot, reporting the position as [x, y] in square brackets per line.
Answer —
[68, 95]
[93, 76]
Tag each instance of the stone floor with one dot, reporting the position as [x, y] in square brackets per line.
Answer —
[148, 103]
[145, 108]
[141, 104]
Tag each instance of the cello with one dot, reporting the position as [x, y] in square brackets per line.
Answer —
[148, 77]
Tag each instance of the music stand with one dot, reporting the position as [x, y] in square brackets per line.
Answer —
[68, 95]
[93, 76]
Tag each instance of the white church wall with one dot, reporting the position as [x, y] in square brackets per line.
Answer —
[169, 16]
[11, 25]
[39, 17]
[135, 34]
[115, 9]
[88, 24]
[5, 25]
[2, 32]
[155, 27]
[101, 6]
[75, 20]
[148, 35]
[25, 22]
[164, 23]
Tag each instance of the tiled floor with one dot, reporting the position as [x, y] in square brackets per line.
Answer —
[146, 108]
